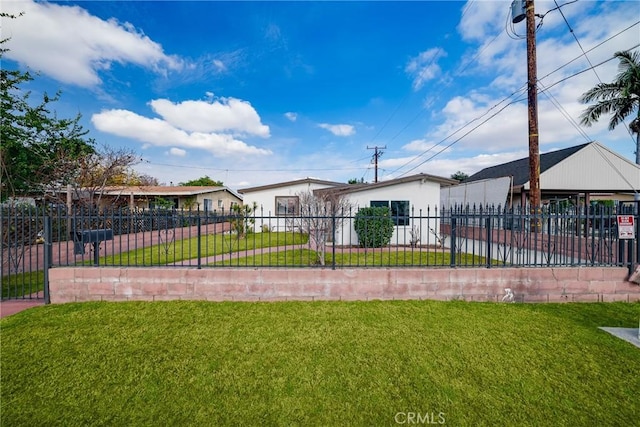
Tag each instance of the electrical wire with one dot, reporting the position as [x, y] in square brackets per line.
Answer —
[565, 113]
[586, 69]
[592, 49]
[458, 71]
[493, 107]
[606, 159]
[586, 57]
[459, 139]
[402, 102]
[546, 89]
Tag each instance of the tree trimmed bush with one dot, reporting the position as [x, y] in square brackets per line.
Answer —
[374, 226]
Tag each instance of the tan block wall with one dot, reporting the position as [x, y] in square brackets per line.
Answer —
[68, 284]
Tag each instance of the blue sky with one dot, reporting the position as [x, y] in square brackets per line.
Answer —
[252, 93]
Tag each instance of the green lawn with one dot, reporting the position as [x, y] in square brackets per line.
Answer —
[404, 257]
[176, 251]
[170, 251]
[319, 363]
[22, 284]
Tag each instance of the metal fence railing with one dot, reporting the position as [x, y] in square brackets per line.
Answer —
[488, 237]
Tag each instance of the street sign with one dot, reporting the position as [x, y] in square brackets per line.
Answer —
[626, 227]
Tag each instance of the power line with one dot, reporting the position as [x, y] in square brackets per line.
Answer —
[592, 49]
[489, 118]
[457, 72]
[546, 89]
[463, 67]
[585, 70]
[460, 129]
[588, 60]
[565, 113]
[459, 139]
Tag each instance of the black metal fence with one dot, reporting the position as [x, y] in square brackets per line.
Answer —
[34, 239]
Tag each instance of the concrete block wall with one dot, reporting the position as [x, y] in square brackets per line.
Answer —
[592, 284]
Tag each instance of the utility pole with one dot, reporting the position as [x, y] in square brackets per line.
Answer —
[376, 156]
[532, 79]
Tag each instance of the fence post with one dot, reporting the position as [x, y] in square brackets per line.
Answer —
[333, 239]
[630, 257]
[48, 255]
[636, 212]
[489, 241]
[452, 257]
[199, 246]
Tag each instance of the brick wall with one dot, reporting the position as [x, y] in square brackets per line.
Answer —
[591, 284]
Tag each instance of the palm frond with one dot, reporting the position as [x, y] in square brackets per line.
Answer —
[620, 98]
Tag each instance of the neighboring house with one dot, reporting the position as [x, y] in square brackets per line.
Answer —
[588, 171]
[219, 199]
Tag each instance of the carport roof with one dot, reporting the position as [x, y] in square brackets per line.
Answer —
[519, 169]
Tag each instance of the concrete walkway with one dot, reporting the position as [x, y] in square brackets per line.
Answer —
[631, 335]
[9, 307]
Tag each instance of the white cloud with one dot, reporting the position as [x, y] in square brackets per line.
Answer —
[482, 18]
[446, 167]
[159, 132]
[338, 130]
[424, 67]
[291, 116]
[72, 46]
[224, 114]
[178, 152]
[499, 68]
[219, 65]
[419, 145]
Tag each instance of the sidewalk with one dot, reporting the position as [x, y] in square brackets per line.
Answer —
[9, 307]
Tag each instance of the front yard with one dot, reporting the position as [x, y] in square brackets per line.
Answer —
[319, 363]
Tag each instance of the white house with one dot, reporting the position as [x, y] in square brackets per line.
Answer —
[411, 199]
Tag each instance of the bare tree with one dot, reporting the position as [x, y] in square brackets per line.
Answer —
[106, 166]
[321, 213]
[144, 180]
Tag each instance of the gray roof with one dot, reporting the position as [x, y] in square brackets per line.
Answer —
[519, 169]
[162, 190]
[289, 183]
[354, 188]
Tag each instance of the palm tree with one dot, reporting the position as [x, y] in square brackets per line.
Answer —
[620, 98]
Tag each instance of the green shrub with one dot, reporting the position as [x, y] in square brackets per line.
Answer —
[374, 227]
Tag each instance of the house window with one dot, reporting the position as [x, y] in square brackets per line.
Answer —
[286, 206]
[379, 203]
[208, 204]
[220, 204]
[399, 210]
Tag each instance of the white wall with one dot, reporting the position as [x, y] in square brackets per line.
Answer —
[478, 193]
[423, 197]
[266, 199]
